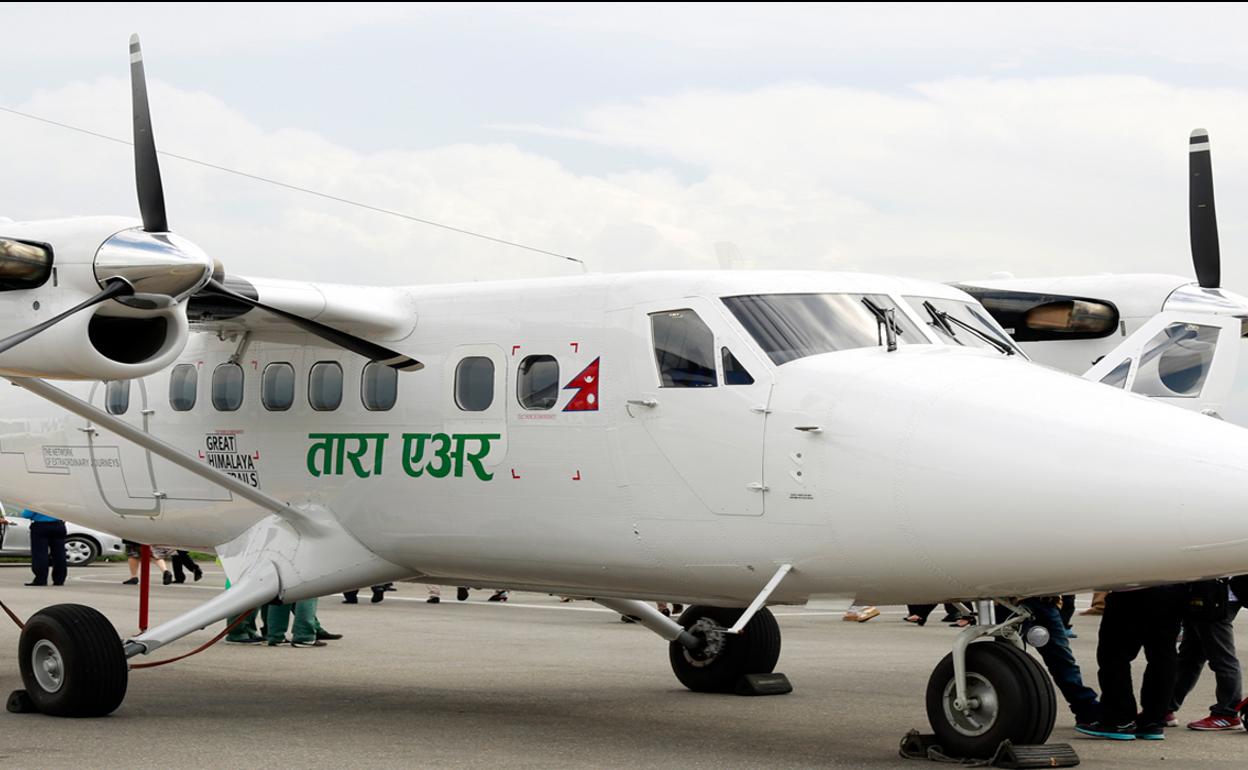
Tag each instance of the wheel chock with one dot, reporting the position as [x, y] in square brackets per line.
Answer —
[764, 684]
[20, 703]
[1008, 755]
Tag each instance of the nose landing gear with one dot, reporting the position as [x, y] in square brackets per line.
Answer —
[996, 692]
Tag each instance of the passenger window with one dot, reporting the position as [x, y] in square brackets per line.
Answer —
[117, 396]
[183, 384]
[227, 387]
[325, 386]
[379, 387]
[474, 384]
[277, 386]
[734, 372]
[537, 385]
[684, 349]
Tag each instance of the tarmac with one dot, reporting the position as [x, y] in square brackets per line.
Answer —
[531, 683]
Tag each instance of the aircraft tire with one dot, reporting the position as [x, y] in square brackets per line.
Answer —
[756, 650]
[1016, 701]
[72, 662]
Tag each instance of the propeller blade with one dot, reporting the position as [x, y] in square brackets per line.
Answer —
[1204, 222]
[369, 350]
[115, 288]
[146, 167]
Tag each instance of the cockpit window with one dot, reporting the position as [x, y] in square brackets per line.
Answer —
[1176, 362]
[684, 349]
[962, 323]
[793, 326]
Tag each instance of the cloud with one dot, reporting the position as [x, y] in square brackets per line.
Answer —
[949, 179]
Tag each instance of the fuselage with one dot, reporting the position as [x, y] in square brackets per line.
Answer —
[548, 444]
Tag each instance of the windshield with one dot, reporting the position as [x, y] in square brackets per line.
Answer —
[792, 326]
[962, 323]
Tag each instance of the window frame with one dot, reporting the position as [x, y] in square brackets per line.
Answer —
[242, 386]
[520, 378]
[194, 370]
[364, 373]
[341, 382]
[294, 383]
[654, 349]
[108, 387]
[493, 383]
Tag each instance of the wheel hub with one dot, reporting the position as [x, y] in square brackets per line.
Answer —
[77, 552]
[982, 706]
[713, 637]
[48, 666]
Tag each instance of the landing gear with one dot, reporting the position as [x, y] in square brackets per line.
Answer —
[72, 662]
[718, 664]
[1008, 697]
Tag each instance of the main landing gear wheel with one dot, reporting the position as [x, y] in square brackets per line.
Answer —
[724, 658]
[72, 662]
[1011, 699]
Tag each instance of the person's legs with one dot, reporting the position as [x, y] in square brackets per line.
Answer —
[1068, 609]
[1160, 633]
[1118, 645]
[305, 621]
[918, 613]
[56, 548]
[1219, 647]
[39, 543]
[1061, 663]
[246, 630]
[1190, 664]
[276, 619]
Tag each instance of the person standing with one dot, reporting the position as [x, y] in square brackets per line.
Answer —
[1145, 619]
[47, 542]
[1209, 636]
[304, 633]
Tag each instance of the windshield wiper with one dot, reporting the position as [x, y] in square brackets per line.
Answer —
[884, 319]
[942, 319]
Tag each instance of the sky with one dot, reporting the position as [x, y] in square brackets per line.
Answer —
[936, 141]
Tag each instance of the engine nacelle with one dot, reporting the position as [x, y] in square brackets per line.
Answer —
[117, 339]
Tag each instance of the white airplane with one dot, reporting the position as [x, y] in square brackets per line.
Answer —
[1078, 322]
[725, 440]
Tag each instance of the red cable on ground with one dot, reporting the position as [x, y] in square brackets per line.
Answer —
[14, 618]
[198, 649]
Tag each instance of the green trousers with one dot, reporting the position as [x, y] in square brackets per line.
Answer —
[277, 618]
[245, 630]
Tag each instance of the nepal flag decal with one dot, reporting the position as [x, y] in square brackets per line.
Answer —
[586, 386]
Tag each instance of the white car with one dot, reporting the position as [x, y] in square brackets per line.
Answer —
[82, 545]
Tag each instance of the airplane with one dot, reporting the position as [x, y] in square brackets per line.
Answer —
[1075, 323]
[724, 440]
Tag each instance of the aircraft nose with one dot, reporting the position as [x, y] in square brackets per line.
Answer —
[1069, 483]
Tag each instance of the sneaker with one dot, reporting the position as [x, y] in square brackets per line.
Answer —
[245, 640]
[278, 644]
[130, 582]
[168, 577]
[313, 643]
[1154, 731]
[1110, 732]
[433, 600]
[326, 636]
[1169, 720]
[461, 593]
[1214, 723]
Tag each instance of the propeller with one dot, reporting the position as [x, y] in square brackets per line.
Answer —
[1204, 222]
[369, 350]
[154, 267]
[146, 165]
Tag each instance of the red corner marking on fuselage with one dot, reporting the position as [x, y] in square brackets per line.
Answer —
[577, 477]
[576, 347]
[514, 348]
[514, 475]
